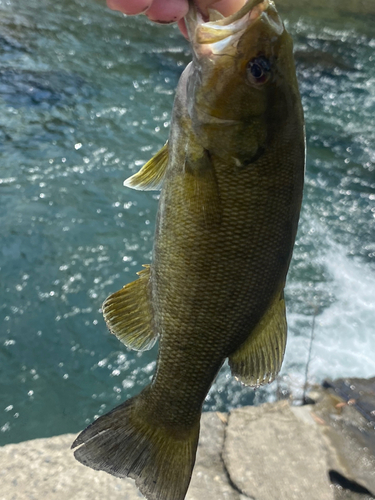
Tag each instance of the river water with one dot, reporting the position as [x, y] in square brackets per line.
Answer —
[86, 97]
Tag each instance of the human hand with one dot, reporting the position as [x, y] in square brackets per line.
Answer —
[170, 11]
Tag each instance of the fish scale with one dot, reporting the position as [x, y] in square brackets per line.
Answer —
[231, 179]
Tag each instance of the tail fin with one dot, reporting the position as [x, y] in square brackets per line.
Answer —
[125, 443]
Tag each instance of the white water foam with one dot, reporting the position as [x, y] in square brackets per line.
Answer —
[344, 332]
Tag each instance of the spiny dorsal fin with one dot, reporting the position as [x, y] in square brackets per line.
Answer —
[128, 313]
[151, 175]
[259, 359]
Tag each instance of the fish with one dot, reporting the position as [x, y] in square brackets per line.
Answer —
[231, 179]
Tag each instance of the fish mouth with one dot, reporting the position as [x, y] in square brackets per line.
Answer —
[220, 34]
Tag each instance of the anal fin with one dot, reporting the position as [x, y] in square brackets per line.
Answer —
[259, 358]
[128, 313]
[151, 175]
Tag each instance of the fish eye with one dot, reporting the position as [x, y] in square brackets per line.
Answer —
[258, 70]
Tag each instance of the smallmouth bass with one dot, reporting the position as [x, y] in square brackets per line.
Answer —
[231, 179]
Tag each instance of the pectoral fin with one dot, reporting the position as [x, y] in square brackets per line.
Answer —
[259, 359]
[201, 191]
[128, 313]
[151, 175]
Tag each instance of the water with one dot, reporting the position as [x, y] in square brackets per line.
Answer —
[86, 96]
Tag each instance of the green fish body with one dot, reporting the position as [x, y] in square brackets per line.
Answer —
[231, 176]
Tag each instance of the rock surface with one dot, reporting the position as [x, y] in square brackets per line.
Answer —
[349, 438]
[210, 478]
[45, 469]
[275, 451]
[280, 445]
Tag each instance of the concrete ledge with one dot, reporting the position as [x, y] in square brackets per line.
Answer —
[272, 452]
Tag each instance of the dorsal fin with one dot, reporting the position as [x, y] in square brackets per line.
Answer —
[128, 313]
[151, 175]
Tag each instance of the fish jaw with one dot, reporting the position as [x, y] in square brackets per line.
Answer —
[220, 37]
[232, 113]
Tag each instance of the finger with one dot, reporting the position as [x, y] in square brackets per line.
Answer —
[226, 7]
[167, 11]
[130, 7]
[182, 26]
